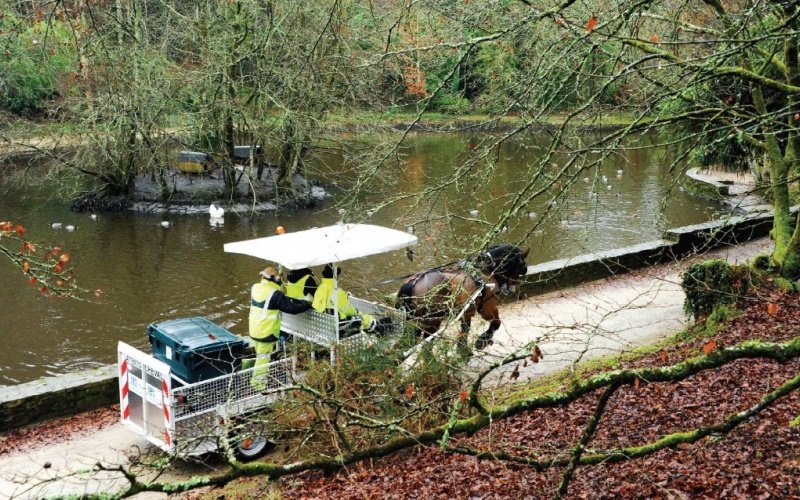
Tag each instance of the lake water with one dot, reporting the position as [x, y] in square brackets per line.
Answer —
[149, 273]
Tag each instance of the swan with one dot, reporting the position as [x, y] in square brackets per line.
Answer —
[164, 223]
[215, 211]
[70, 227]
[56, 225]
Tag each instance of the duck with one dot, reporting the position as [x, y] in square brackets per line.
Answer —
[215, 211]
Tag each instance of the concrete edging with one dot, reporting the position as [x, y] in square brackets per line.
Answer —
[53, 397]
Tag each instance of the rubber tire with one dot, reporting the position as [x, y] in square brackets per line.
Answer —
[252, 447]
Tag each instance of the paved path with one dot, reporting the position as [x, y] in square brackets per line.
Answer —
[602, 317]
[598, 318]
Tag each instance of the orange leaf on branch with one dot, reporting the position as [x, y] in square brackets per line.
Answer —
[29, 247]
[591, 24]
[462, 396]
[19, 229]
[58, 267]
[64, 257]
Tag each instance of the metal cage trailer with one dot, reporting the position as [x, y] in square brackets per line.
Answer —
[188, 418]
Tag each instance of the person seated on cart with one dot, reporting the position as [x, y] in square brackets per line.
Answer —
[351, 321]
[267, 302]
[301, 284]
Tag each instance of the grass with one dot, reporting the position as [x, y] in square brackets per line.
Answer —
[555, 382]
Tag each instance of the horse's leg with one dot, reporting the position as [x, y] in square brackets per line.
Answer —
[465, 324]
[490, 313]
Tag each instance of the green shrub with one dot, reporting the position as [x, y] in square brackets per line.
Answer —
[712, 283]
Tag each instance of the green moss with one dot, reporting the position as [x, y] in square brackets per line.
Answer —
[712, 283]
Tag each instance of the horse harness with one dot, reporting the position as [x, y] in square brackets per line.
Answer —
[476, 276]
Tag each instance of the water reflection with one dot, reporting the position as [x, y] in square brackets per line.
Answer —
[149, 267]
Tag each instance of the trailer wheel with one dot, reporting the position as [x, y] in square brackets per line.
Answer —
[252, 446]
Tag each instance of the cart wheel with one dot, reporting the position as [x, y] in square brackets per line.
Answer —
[251, 447]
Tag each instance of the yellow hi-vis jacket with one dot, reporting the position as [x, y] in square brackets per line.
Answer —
[265, 324]
[323, 301]
[295, 290]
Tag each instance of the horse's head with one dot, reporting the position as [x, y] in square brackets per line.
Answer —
[505, 262]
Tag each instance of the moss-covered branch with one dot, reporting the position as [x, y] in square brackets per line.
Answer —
[780, 352]
[588, 434]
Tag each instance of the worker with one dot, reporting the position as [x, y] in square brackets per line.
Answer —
[301, 284]
[350, 319]
[267, 302]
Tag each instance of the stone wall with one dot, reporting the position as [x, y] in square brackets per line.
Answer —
[54, 397]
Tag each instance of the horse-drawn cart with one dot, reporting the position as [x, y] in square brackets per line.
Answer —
[188, 396]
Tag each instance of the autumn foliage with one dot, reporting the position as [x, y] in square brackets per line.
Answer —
[46, 268]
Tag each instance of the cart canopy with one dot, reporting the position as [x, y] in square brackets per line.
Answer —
[324, 245]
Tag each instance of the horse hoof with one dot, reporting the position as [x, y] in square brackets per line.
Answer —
[482, 344]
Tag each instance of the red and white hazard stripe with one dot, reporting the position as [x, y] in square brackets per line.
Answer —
[124, 388]
[165, 405]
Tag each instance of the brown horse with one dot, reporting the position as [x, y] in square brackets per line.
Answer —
[431, 296]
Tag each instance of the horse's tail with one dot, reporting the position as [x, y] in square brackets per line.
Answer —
[405, 294]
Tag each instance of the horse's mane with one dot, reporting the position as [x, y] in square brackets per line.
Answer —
[501, 261]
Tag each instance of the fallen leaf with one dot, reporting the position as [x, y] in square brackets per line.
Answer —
[709, 347]
[654, 38]
[663, 356]
[772, 309]
[462, 396]
[409, 391]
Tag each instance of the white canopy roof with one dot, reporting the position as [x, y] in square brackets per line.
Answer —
[324, 245]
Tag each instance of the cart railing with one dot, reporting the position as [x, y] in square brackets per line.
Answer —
[325, 329]
[238, 392]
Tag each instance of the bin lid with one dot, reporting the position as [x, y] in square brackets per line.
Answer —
[192, 156]
[195, 334]
[324, 245]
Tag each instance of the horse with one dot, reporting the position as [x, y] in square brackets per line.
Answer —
[429, 297]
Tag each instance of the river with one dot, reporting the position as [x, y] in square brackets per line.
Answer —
[144, 272]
